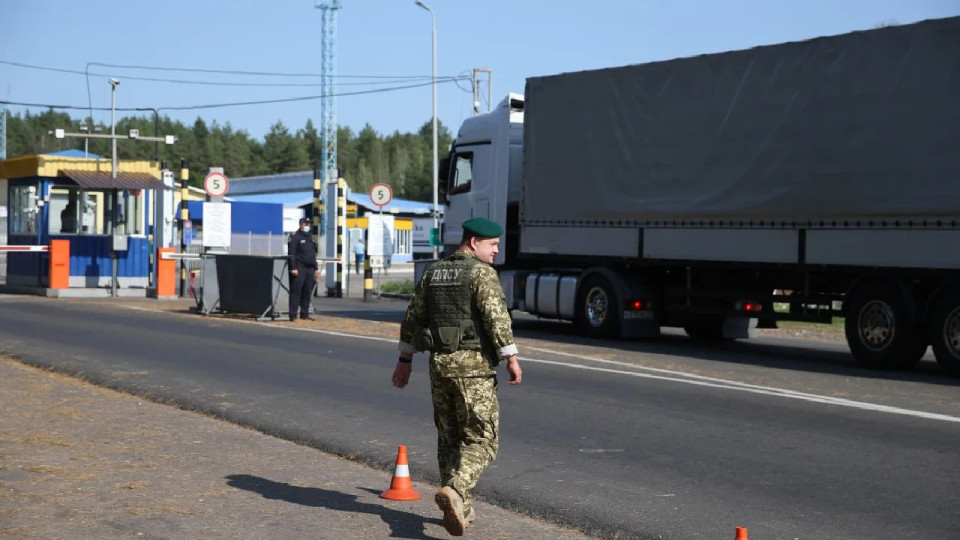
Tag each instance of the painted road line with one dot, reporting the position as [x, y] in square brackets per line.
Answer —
[656, 374]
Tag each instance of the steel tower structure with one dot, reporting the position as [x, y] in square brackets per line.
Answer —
[328, 105]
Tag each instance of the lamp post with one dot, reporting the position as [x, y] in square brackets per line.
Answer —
[436, 211]
[113, 123]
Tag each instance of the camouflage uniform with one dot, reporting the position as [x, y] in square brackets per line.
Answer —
[463, 381]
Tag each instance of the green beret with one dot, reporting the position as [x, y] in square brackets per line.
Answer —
[483, 227]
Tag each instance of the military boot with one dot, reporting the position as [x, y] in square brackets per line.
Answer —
[451, 504]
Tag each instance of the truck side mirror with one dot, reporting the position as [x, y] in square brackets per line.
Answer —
[443, 174]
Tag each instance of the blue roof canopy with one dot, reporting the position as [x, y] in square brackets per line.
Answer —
[73, 153]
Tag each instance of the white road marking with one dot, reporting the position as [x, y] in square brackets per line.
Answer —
[656, 374]
[685, 378]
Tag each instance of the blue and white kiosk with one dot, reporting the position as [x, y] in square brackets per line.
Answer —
[69, 196]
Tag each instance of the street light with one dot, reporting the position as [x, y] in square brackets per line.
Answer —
[113, 122]
[436, 211]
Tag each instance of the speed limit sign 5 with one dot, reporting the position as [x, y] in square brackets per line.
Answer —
[381, 194]
[216, 184]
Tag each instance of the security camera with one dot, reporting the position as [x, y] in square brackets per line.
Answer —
[114, 82]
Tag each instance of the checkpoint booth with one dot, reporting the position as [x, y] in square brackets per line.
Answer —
[103, 216]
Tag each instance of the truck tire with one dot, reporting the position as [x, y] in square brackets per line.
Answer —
[879, 327]
[597, 309]
[945, 331]
[705, 329]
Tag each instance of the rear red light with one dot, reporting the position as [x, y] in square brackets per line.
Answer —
[634, 305]
[749, 306]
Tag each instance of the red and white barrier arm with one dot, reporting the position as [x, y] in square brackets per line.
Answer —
[167, 256]
[23, 248]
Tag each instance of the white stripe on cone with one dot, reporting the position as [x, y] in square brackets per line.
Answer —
[402, 471]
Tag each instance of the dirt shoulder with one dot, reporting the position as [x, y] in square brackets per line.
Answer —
[80, 461]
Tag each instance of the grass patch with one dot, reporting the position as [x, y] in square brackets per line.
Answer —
[837, 324]
[397, 287]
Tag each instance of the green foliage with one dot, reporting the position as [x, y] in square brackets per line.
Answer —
[364, 158]
[398, 287]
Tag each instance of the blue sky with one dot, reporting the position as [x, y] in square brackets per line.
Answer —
[380, 38]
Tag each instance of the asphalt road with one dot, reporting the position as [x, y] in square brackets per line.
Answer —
[637, 440]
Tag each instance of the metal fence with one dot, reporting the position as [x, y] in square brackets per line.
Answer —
[249, 244]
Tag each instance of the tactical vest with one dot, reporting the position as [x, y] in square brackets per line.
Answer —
[455, 324]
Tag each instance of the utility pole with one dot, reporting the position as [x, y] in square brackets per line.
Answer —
[435, 180]
[476, 89]
[329, 173]
[113, 125]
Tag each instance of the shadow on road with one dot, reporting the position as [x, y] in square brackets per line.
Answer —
[402, 524]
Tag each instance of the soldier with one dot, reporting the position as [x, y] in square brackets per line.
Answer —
[459, 314]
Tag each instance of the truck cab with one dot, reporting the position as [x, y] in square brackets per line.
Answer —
[483, 177]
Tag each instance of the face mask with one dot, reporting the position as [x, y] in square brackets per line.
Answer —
[305, 228]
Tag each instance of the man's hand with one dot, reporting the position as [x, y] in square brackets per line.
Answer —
[316, 273]
[513, 368]
[401, 374]
[294, 272]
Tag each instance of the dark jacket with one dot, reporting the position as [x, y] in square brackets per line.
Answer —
[301, 251]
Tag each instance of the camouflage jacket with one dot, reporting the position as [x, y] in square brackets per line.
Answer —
[490, 306]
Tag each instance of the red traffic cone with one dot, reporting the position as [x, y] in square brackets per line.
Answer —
[741, 533]
[401, 489]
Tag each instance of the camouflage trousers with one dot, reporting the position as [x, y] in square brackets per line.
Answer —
[467, 416]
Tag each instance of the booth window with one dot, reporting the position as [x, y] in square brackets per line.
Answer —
[134, 213]
[23, 210]
[79, 211]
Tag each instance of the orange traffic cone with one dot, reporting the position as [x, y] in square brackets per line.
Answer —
[401, 489]
[741, 533]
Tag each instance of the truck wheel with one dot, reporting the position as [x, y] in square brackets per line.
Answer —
[879, 329]
[945, 332]
[705, 329]
[597, 308]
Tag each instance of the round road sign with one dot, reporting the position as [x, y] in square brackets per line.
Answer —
[216, 184]
[381, 194]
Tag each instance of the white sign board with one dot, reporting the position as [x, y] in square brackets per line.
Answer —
[216, 224]
[421, 235]
[379, 240]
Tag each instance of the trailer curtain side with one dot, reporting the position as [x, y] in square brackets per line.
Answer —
[862, 125]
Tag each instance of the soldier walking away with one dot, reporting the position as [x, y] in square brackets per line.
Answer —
[458, 313]
[302, 258]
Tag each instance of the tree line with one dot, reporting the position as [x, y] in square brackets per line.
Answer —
[364, 158]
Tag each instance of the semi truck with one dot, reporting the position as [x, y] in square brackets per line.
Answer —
[723, 193]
